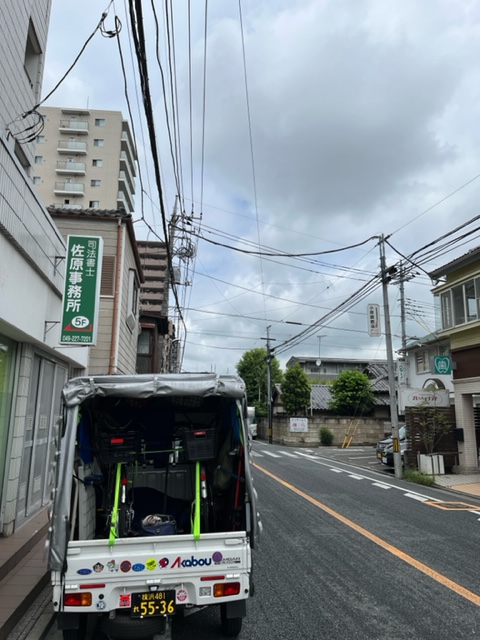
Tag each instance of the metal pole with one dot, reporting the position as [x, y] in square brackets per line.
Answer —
[269, 388]
[397, 458]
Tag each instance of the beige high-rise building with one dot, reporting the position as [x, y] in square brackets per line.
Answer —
[85, 159]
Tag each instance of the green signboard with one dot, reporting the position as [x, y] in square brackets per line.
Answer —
[442, 365]
[83, 271]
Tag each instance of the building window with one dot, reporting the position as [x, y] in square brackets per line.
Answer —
[133, 291]
[97, 162]
[94, 204]
[422, 362]
[36, 179]
[98, 142]
[460, 304]
[145, 342]
[99, 122]
[38, 159]
[33, 55]
[40, 139]
[95, 183]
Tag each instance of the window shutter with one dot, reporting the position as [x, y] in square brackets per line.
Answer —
[107, 287]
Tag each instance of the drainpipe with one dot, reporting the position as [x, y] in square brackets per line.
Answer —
[116, 300]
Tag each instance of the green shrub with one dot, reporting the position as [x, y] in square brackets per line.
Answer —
[326, 437]
[412, 475]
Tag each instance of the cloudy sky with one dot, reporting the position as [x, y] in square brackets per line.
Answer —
[321, 124]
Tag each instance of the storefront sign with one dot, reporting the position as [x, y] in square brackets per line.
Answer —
[415, 397]
[83, 271]
[442, 365]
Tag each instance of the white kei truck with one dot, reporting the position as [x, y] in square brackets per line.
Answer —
[154, 509]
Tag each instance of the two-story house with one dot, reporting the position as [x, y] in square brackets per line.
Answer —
[425, 367]
[325, 369]
[122, 275]
[458, 292]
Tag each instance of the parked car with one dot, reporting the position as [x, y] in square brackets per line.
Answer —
[386, 442]
[387, 455]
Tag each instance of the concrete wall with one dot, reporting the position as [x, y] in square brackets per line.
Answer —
[364, 430]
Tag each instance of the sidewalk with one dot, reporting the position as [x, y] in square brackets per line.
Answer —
[469, 485]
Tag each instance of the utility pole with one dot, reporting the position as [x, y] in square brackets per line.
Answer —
[397, 458]
[269, 385]
[401, 284]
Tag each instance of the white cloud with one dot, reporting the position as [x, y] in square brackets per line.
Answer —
[363, 113]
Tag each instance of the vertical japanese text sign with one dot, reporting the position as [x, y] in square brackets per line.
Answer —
[373, 317]
[83, 272]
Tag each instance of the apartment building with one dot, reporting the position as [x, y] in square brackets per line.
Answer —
[157, 347]
[85, 159]
[33, 366]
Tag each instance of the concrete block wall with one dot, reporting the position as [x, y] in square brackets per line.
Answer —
[365, 431]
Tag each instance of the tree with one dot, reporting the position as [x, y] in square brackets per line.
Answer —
[295, 390]
[252, 367]
[431, 426]
[352, 393]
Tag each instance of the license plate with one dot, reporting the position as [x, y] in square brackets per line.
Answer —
[153, 603]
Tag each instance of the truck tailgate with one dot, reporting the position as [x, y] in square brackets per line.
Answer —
[192, 568]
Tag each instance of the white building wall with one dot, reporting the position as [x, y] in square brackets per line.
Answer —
[31, 283]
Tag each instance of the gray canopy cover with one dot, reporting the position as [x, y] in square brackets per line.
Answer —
[128, 386]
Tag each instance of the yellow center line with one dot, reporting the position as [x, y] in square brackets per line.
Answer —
[443, 580]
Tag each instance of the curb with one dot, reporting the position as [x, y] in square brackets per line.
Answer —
[38, 621]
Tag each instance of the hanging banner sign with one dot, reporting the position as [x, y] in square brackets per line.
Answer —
[81, 295]
[373, 319]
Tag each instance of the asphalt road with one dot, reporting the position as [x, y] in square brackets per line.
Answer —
[350, 553]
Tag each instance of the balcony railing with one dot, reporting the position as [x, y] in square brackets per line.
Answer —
[70, 188]
[71, 167]
[77, 126]
[123, 175]
[62, 205]
[71, 146]
[125, 201]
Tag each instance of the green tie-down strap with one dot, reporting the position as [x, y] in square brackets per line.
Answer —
[114, 520]
[196, 518]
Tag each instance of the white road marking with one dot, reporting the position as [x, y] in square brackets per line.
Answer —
[269, 453]
[381, 485]
[288, 453]
[415, 496]
[351, 475]
[337, 470]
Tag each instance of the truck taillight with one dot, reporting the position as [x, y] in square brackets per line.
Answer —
[83, 599]
[223, 589]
